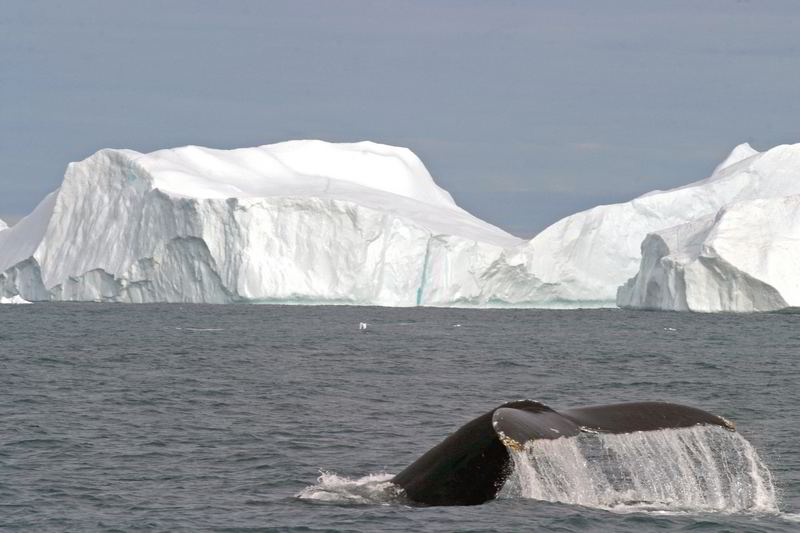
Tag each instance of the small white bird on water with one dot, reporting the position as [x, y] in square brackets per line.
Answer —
[362, 326]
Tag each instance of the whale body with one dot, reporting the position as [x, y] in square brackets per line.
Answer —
[470, 466]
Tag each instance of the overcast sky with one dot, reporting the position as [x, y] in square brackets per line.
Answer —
[525, 111]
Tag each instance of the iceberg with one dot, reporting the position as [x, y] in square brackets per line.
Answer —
[365, 223]
[298, 222]
[13, 300]
[742, 257]
[588, 255]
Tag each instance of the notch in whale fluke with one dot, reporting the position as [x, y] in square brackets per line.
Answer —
[470, 466]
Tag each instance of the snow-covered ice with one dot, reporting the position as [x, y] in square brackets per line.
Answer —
[300, 221]
[588, 255]
[365, 223]
[742, 256]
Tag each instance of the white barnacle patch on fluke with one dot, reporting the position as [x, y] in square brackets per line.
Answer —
[729, 424]
[508, 442]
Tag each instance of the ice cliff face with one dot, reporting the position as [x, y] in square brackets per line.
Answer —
[743, 256]
[590, 254]
[301, 221]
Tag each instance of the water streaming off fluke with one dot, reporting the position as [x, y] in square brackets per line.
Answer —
[694, 469]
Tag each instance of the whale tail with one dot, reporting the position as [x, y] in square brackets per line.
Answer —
[470, 466]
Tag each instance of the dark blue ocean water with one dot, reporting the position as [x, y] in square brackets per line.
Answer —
[188, 417]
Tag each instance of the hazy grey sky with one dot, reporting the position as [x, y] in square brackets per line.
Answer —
[525, 111]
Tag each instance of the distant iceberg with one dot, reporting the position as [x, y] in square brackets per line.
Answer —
[300, 221]
[13, 300]
[360, 223]
[742, 257]
[588, 255]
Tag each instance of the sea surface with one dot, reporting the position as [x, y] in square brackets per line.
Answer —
[292, 418]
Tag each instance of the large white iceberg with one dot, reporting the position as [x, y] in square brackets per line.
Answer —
[743, 256]
[590, 254]
[300, 221]
[363, 223]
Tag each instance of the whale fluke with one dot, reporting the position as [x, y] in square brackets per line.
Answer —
[470, 466]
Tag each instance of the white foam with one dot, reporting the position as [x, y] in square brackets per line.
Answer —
[371, 489]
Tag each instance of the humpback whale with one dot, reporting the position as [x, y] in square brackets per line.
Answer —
[470, 466]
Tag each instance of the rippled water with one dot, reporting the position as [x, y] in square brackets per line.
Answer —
[237, 418]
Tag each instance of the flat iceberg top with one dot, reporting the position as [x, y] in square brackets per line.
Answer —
[377, 176]
[292, 168]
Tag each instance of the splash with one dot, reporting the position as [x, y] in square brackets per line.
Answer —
[372, 489]
[692, 469]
